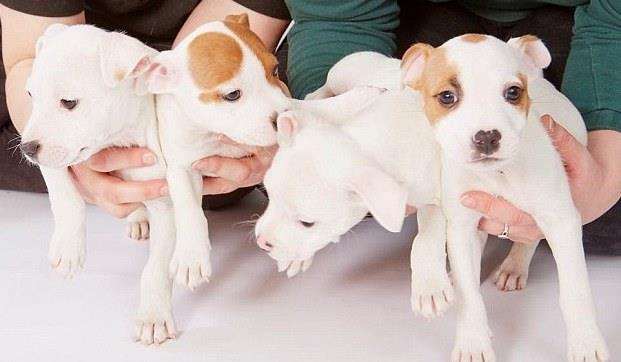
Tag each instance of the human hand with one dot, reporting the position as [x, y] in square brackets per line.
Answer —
[593, 177]
[118, 197]
[234, 173]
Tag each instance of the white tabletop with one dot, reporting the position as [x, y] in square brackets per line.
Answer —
[352, 305]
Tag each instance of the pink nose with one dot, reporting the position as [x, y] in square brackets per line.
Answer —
[263, 243]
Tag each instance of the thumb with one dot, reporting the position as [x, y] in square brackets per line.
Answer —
[572, 152]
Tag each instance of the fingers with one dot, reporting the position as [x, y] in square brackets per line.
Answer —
[527, 234]
[120, 211]
[112, 159]
[495, 208]
[571, 151]
[231, 169]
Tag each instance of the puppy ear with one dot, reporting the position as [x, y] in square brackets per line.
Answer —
[413, 63]
[49, 32]
[163, 76]
[533, 49]
[287, 126]
[123, 57]
[384, 197]
[241, 19]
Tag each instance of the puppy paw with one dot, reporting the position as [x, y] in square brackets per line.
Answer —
[431, 298]
[511, 275]
[588, 347]
[294, 267]
[66, 255]
[473, 348]
[190, 268]
[154, 326]
[138, 230]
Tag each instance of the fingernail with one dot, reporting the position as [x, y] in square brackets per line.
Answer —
[148, 158]
[468, 201]
[548, 123]
[164, 191]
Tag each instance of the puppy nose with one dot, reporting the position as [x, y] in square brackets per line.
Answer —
[30, 149]
[264, 243]
[487, 142]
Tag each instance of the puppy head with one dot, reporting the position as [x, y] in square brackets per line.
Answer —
[85, 92]
[475, 91]
[225, 80]
[319, 187]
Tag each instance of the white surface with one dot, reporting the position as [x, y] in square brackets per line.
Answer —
[352, 305]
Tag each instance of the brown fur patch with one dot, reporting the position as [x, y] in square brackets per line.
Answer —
[239, 19]
[210, 97]
[473, 38]
[524, 102]
[214, 58]
[119, 75]
[439, 75]
[267, 59]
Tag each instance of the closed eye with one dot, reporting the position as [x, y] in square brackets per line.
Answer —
[307, 224]
[68, 104]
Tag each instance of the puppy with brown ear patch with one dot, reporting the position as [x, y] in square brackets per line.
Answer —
[220, 80]
[484, 98]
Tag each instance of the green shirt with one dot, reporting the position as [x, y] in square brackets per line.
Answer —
[327, 30]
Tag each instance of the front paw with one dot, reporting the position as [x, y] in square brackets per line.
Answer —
[473, 347]
[190, 267]
[138, 230]
[294, 267]
[154, 325]
[588, 347]
[432, 290]
[67, 254]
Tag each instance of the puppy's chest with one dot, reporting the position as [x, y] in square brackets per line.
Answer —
[507, 183]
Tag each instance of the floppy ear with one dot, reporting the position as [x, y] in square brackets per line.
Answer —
[241, 19]
[287, 126]
[50, 31]
[384, 197]
[123, 57]
[413, 63]
[163, 75]
[533, 49]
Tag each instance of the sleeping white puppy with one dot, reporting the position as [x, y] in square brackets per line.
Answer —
[484, 98]
[325, 178]
[87, 96]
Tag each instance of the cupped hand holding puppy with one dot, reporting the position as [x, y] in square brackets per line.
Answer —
[234, 173]
[97, 184]
[594, 176]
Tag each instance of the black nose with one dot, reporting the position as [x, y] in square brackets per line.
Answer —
[30, 149]
[487, 142]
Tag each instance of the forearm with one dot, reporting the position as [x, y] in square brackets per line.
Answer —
[605, 147]
[267, 28]
[17, 99]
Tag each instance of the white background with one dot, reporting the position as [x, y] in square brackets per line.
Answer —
[352, 305]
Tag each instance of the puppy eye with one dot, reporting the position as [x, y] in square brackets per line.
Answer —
[69, 104]
[513, 94]
[232, 96]
[447, 98]
[307, 224]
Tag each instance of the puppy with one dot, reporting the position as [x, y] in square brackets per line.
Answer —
[87, 95]
[483, 99]
[219, 83]
[327, 175]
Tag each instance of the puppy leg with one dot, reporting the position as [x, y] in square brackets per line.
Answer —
[513, 272]
[154, 321]
[138, 224]
[321, 93]
[432, 292]
[563, 230]
[190, 264]
[473, 336]
[67, 248]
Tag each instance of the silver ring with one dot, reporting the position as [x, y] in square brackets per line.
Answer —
[505, 233]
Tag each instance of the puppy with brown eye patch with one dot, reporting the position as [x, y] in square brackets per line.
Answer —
[491, 140]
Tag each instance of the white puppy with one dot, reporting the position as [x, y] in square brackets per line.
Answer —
[483, 98]
[87, 96]
[325, 178]
[219, 81]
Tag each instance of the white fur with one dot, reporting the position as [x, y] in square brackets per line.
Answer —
[83, 62]
[191, 130]
[528, 172]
